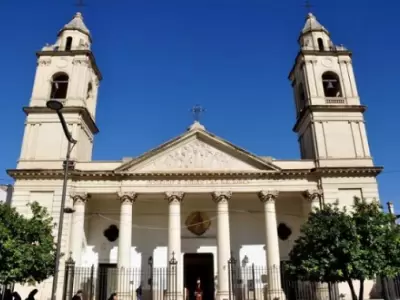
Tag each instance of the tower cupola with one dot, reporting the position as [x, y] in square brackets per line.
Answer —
[314, 36]
[74, 35]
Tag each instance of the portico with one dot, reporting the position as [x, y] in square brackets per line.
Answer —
[222, 209]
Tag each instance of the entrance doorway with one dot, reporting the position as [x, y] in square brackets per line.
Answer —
[199, 265]
[106, 282]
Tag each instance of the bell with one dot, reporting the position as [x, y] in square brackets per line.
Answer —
[330, 85]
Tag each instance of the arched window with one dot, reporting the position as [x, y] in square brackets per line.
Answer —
[302, 97]
[59, 86]
[320, 44]
[89, 91]
[68, 44]
[331, 85]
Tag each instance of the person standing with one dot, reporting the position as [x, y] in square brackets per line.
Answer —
[78, 295]
[139, 292]
[198, 293]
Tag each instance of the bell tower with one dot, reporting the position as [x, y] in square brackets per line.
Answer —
[329, 117]
[66, 72]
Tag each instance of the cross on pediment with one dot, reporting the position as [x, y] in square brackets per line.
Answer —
[197, 110]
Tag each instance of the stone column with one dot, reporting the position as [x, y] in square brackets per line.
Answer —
[175, 278]
[272, 245]
[314, 197]
[125, 229]
[223, 243]
[124, 245]
[78, 229]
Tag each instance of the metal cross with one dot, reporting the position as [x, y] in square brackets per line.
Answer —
[80, 3]
[197, 110]
[308, 6]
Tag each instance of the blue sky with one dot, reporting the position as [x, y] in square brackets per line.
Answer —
[159, 58]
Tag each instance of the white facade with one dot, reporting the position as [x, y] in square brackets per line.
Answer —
[151, 199]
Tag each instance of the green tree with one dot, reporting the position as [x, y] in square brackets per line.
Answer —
[340, 246]
[27, 248]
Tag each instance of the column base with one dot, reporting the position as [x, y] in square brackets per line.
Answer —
[223, 295]
[173, 296]
[322, 291]
[276, 295]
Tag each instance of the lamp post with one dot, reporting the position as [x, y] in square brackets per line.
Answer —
[57, 106]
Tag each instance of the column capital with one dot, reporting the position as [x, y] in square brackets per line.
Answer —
[173, 197]
[79, 198]
[221, 196]
[127, 197]
[268, 196]
[313, 195]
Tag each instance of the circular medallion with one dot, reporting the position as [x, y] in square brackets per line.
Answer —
[198, 223]
[327, 62]
[62, 63]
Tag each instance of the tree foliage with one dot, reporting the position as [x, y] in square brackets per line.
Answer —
[27, 248]
[340, 246]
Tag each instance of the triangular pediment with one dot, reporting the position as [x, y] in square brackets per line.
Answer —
[197, 151]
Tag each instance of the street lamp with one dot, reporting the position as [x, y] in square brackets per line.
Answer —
[57, 106]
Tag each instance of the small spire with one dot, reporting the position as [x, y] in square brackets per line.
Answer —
[76, 24]
[312, 24]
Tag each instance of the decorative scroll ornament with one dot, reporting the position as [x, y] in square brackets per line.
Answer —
[314, 195]
[198, 223]
[127, 197]
[79, 198]
[221, 196]
[174, 196]
[268, 196]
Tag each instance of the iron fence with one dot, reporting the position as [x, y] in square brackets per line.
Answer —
[261, 283]
[98, 283]
[6, 291]
[393, 287]
[386, 288]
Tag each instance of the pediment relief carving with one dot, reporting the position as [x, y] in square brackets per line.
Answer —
[194, 155]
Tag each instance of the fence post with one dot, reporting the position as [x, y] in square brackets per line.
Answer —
[173, 277]
[253, 279]
[91, 282]
[150, 280]
[69, 278]
[232, 277]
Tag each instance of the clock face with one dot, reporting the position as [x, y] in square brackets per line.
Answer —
[327, 62]
[62, 63]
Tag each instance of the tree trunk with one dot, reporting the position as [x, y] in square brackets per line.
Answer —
[353, 292]
[361, 292]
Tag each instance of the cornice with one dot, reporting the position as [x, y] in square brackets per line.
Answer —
[67, 109]
[326, 108]
[347, 171]
[87, 53]
[78, 175]
[303, 53]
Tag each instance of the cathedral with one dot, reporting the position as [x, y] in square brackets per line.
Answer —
[197, 208]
